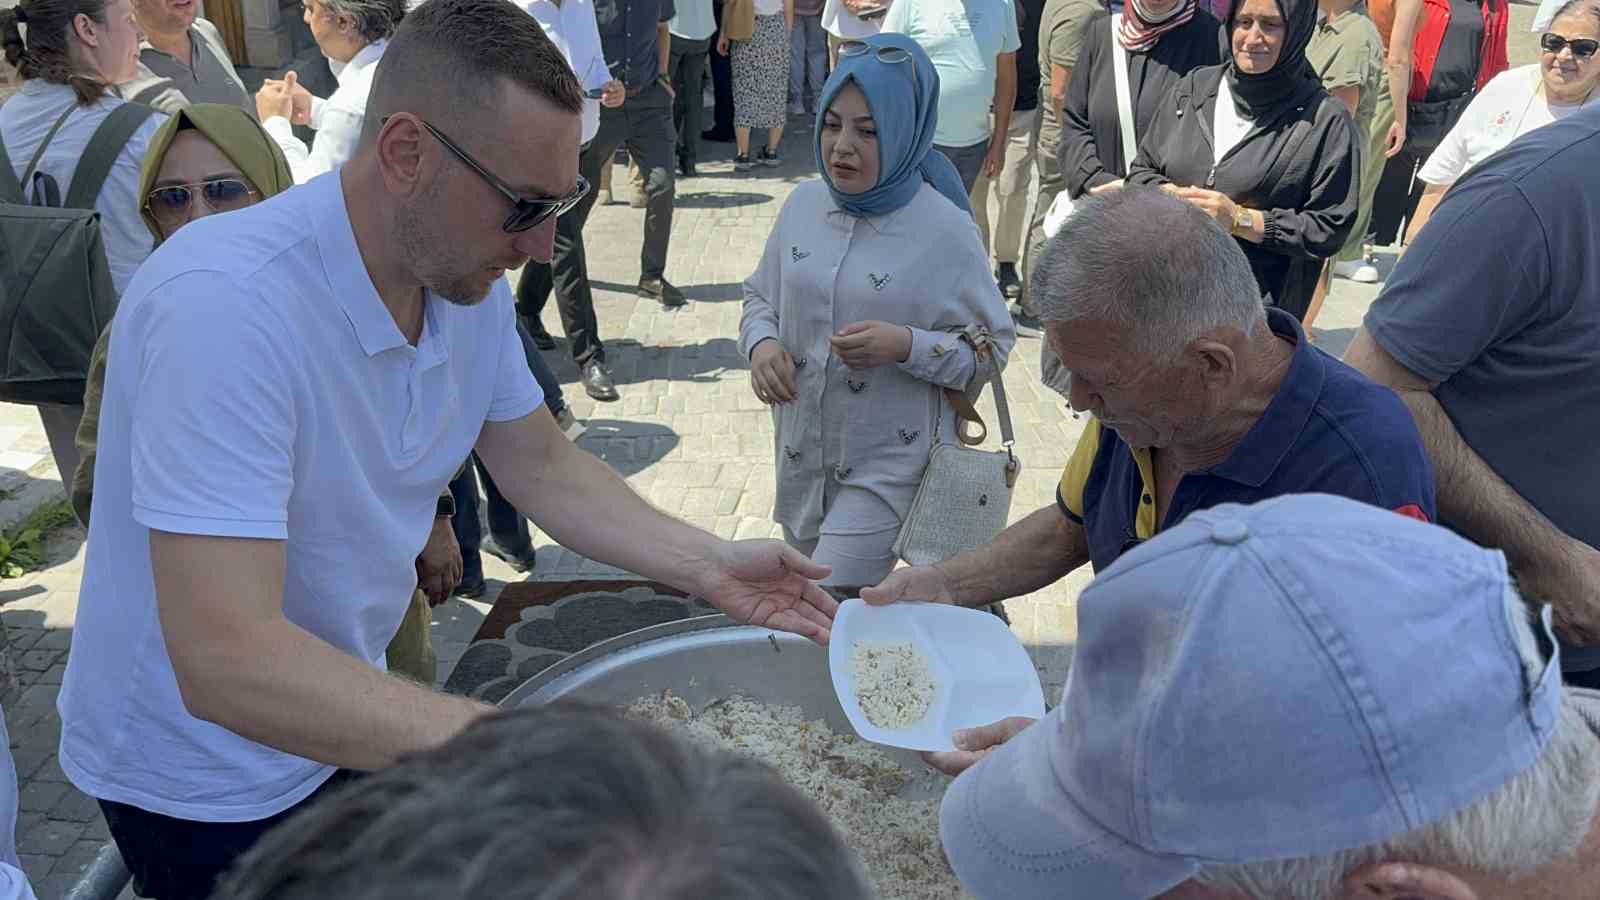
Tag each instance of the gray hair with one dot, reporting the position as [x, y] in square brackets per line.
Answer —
[1540, 816]
[1139, 257]
[375, 19]
[556, 803]
[1572, 7]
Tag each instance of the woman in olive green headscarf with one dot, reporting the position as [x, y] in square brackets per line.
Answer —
[209, 158]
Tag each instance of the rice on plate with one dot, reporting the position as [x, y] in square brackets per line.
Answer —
[893, 683]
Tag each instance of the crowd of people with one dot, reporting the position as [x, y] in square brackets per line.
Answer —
[319, 371]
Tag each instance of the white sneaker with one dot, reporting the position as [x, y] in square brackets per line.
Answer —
[1366, 273]
[1347, 269]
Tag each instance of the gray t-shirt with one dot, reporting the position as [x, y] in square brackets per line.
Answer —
[167, 84]
[1498, 300]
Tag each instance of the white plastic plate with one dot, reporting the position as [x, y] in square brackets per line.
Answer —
[980, 670]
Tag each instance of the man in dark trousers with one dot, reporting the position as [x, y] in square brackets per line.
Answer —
[721, 66]
[637, 47]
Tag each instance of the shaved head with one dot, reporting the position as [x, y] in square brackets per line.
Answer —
[450, 60]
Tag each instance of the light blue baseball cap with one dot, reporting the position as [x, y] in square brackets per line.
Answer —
[1286, 679]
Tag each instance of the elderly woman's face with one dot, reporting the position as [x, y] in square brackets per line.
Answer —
[1258, 32]
[1569, 77]
[850, 142]
[196, 179]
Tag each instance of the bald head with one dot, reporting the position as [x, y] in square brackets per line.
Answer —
[450, 60]
[1139, 257]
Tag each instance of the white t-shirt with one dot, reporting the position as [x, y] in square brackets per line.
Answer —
[844, 25]
[1228, 127]
[769, 7]
[337, 119]
[573, 29]
[24, 121]
[258, 388]
[963, 39]
[1509, 106]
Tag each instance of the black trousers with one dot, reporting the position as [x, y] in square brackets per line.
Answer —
[721, 84]
[1395, 201]
[644, 126]
[686, 68]
[178, 859]
[506, 523]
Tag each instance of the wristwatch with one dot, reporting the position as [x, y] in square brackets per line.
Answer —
[1241, 219]
[446, 508]
[662, 78]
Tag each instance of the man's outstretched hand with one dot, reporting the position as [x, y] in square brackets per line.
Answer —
[771, 584]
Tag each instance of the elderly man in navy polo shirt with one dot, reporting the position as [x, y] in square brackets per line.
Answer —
[1199, 396]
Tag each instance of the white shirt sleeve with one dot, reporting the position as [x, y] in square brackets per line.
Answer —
[1454, 155]
[214, 417]
[516, 393]
[1011, 40]
[338, 132]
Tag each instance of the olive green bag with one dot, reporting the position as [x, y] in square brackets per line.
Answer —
[55, 286]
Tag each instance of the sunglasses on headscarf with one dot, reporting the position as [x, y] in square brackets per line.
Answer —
[890, 55]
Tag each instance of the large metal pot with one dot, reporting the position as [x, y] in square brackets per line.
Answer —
[701, 660]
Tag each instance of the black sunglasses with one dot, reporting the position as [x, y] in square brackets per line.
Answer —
[527, 213]
[171, 203]
[1582, 48]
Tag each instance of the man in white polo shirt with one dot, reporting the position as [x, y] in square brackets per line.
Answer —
[289, 388]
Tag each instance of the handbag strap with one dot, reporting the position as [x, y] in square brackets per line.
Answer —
[1119, 69]
[966, 413]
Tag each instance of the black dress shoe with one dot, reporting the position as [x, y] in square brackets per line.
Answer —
[1010, 284]
[663, 290]
[717, 137]
[521, 560]
[686, 168]
[597, 382]
[542, 338]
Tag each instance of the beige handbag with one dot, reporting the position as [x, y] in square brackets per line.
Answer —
[965, 494]
[739, 20]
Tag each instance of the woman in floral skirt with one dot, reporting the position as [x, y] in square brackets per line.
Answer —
[760, 80]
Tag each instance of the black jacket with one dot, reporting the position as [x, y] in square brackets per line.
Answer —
[1300, 168]
[1091, 134]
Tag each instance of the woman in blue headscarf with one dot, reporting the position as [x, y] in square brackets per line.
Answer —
[852, 320]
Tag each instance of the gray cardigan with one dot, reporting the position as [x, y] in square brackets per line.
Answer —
[922, 266]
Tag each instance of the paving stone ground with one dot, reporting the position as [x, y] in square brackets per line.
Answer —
[687, 433]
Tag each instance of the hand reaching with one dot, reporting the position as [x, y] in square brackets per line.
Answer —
[771, 584]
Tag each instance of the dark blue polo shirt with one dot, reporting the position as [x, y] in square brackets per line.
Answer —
[1329, 430]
